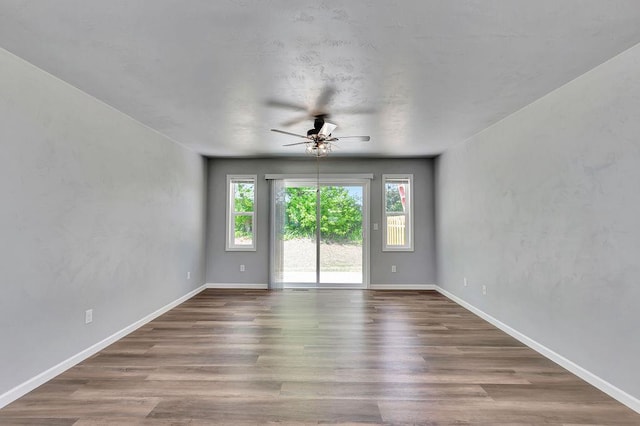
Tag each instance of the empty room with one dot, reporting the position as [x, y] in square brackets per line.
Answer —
[319, 212]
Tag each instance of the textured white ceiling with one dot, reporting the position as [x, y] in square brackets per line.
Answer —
[201, 72]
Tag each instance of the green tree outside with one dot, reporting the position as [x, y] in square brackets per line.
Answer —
[243, 202]
[340, 214]
[392, 198]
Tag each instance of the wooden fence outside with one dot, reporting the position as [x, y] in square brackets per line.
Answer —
[395, 230]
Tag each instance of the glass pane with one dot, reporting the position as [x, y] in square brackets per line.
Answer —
[341, 234]
[243, 196]
[395, 195]
[243, 230]
[298, 235]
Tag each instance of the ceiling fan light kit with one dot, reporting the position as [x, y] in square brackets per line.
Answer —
[319, 149]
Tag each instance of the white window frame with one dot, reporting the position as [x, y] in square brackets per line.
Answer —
[408, 213]
[232, 214]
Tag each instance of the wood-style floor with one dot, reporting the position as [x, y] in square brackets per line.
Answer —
[251, 357]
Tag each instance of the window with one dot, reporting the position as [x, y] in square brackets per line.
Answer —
[397, 218]
[241, 212]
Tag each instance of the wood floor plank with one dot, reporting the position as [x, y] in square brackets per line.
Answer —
[382, 392]
[112, 389]
[65, 407]
[34, 421]
[248, 357]
[492, 412]
[278, 410]
[338, 375]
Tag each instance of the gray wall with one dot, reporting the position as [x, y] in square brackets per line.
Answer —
[544, 209]
[97, 211]
[416, 267]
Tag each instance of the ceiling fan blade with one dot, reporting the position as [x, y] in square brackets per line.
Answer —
[355, 110]
[295, 120]
[285, 105]
[327, 129]
[324, 99]
[296, 143]
[362, 138]
[289, 133]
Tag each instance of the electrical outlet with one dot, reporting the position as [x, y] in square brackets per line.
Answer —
[375, 226]
[465, 281]
[393, 268]
[189, 275]
[484, 289]
[88, 316]
[241, 268]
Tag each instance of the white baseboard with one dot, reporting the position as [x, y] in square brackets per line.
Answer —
[239, 286]
[26, 387]
[606, 387]
[402, 287]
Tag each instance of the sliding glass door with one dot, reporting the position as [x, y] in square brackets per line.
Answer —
[319, 233]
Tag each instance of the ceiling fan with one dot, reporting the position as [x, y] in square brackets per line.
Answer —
[319, 139]
[321, 109]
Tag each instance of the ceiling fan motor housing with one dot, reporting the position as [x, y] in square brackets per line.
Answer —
[317, 125]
